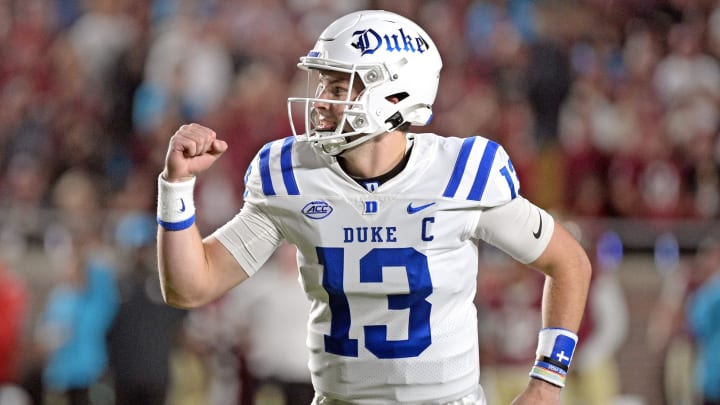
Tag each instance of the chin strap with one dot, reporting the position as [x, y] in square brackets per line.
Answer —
[334, 147]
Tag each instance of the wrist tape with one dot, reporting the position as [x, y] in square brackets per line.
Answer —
[554, 353]
[175, 205]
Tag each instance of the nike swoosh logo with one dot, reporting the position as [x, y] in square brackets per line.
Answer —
[539, 231]
[412, 210]
[182, 205]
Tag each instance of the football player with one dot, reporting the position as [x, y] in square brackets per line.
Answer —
[386, 223]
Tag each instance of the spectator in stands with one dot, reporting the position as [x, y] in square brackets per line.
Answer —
[145, 331]
[13, 313]
[75, 321]
[596, 380]
[703, 312]
[269, 331]
[668, 334]
[274, 338]
[687, 69]
[81, 306]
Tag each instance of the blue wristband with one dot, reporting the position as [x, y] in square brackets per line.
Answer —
[556, 347]
[177, 226]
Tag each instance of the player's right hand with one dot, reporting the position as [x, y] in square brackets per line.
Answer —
[192, 150]
[538, 393]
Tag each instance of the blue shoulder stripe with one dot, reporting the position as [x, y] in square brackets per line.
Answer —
[459, 168]
[483, 173]
[287, 168]
[267, 185]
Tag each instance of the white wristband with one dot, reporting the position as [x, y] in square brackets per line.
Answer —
[554, 354]
[175, 205]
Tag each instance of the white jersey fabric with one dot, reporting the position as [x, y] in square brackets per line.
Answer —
[391, 270]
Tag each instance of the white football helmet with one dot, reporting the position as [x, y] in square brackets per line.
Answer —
[392, 56]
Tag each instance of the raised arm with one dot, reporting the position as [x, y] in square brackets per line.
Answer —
[192, 271]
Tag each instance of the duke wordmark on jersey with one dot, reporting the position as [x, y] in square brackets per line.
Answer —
[374, 234]
[380, 234]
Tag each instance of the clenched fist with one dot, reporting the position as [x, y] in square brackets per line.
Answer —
[192, 150]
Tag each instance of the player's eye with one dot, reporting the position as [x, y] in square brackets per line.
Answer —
[338, 91]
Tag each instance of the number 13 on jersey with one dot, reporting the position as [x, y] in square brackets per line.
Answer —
[371, 271]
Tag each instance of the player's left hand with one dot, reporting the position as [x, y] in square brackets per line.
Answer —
[538, 393]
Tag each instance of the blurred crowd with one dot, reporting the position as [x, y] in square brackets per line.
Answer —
[610, 109]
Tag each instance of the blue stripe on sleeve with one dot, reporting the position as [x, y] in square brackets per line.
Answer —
[267, 186]
[287, 168]
[483, 173]
[460, 164]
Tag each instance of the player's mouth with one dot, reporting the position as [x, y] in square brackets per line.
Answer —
[325, 125]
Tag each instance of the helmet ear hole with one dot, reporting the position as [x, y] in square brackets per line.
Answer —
[397, 97]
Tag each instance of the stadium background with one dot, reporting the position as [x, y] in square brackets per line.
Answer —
[608, 108]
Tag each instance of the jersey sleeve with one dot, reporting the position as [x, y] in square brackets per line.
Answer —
[518, 228]
[251, 236]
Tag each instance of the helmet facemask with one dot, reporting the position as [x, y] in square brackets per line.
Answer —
[354, 126]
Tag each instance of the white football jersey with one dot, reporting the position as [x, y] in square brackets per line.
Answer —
[390, 270]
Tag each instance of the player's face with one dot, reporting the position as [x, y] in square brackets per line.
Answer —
[334, 86]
